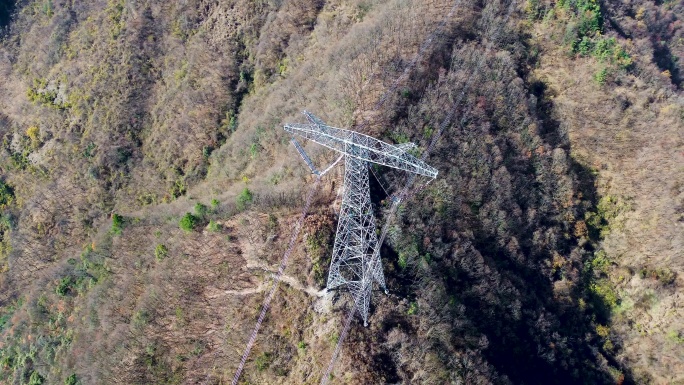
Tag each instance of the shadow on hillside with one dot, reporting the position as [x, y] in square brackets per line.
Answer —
[666, 61]
[6, 10]
[523, 278]
[539, 348]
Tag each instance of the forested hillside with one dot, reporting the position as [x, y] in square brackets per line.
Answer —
[148, 190]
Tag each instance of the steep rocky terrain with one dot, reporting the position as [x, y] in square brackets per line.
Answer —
[148, 190]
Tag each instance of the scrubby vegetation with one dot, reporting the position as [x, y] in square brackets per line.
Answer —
[188, 222]
[244, 199]
[147, 190]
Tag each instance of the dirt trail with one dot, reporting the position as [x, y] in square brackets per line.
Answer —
[290, 280]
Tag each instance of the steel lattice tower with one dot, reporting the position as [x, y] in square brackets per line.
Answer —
[355, 263]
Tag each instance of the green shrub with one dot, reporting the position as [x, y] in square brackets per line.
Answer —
[244, 199]
[140, 319]
[413, 308]
[5, 248]
[64, 286]
[201, 210]
[188, 222]
[160, 252]
[254, 150]
[263, 361]
[403, 260]
[603, 291]
[607, 49]
[89, 151]
[272, 224]
[178, 189]
[214, 227]
[46, 98]
[427, 132]
[533, 9]
[621, 58]
[6, 195]
[665, 276]
[33, 133]
[604, 48]
[600, 262]
[117, 224]
[601, 76]
[676, 337]
[362, 10]
[215, 204]
[36, 379]
[607, 210]
[407, 252]
[590, 17]
[585, 46]
[587, 23]
[229, 123]
[48, 8]
[4, 319]
[334, 338]
[71, 380]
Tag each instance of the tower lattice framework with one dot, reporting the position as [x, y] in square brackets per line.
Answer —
[356, 264]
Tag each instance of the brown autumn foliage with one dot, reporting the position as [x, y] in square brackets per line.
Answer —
[547, 251]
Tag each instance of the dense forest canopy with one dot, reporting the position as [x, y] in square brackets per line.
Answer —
[148, 190]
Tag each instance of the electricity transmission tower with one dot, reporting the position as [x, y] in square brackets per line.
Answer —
[356, 264]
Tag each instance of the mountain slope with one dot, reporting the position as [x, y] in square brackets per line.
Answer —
[148, 191]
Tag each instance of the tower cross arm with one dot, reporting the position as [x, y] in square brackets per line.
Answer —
[360, 146]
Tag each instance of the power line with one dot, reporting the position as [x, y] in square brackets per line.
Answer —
[406, 192]
[297, 228]
[276, 279]
[403, 195]
[338, 346]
